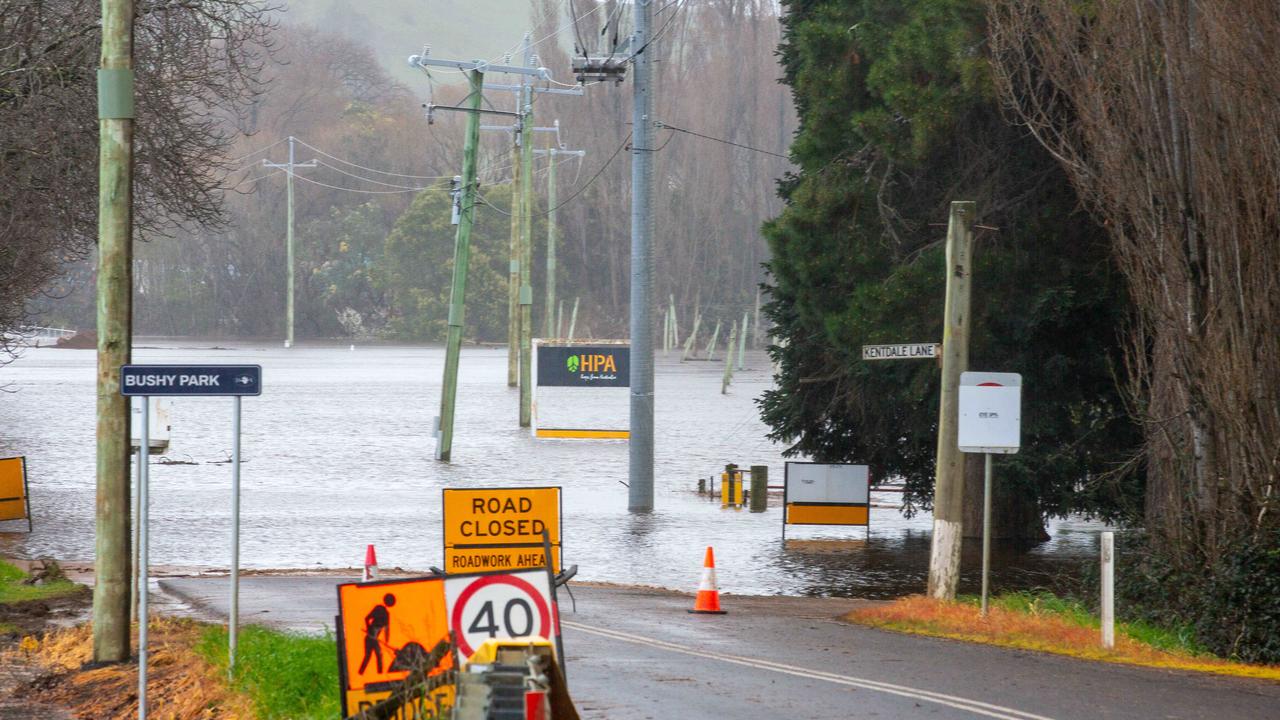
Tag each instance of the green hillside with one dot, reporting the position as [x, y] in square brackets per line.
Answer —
[396, 29]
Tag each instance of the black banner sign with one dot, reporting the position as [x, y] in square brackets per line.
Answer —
[584, 366]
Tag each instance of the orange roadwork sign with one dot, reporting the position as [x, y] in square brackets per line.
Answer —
[14, 502]
[497, 529]
[388, 628]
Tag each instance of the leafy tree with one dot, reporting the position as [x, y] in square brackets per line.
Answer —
[416, 270]
[898, 118]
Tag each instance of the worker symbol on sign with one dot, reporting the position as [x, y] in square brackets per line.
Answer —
[377, 622]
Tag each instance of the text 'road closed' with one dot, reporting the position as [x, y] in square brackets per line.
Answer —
[489, 529]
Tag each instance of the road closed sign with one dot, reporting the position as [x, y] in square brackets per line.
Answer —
[990, 413]
[501, 606]
[489, 529]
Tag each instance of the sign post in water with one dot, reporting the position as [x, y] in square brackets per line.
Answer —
[145, 381]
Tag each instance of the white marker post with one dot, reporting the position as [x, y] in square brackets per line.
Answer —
[1108, 589]
[143, 381]
[990, 422]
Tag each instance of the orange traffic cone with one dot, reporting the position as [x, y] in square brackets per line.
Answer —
[708, 596]
[370, 565]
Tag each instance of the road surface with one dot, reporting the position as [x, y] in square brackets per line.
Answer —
[636, 654]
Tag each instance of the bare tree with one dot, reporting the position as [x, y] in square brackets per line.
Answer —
[1166, 115]
[197, 64]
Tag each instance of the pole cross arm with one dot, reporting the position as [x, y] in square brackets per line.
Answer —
[579, 153]
[534, 88]
[308, 164]
[424, 62]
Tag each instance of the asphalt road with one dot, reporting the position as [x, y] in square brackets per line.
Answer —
[636, 654]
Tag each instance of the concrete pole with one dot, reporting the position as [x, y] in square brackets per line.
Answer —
[551, 243]
[640, 488]
[948, 494]
[513, 276]
[289, 252]
[115, 332]
[461, 260]
[526, 249]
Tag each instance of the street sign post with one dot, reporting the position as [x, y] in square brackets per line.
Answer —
[146, 381]
[990, 422]
[901, 351]
[488, 529]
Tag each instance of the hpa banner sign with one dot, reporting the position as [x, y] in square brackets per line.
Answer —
[584, 365]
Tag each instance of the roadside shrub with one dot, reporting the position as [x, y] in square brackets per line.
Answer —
[1232, 605]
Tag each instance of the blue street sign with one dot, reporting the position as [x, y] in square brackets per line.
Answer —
[209, 380]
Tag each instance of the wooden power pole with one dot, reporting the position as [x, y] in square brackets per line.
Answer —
[948, 493]
[115, 332]
[461, 262]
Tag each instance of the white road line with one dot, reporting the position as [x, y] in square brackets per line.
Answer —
[976, 707]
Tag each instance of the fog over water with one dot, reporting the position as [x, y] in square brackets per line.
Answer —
[338, 453]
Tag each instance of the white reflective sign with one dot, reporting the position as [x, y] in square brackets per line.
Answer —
[990, 413]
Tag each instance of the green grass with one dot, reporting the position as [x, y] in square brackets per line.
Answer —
[1041, 602]
[12, 590]
[287, 676]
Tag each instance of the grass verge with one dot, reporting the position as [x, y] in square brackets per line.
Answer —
[13, 590]
[1044, 622]
[285, 675]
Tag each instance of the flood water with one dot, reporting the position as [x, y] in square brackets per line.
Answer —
[338, 453]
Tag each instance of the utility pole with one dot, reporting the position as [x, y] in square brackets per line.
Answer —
[526, 249]
[948, 492]
[640, 470]
[115, 332]
[549, 297]
[513, 265]
[289, 167]
[553, 230]
[475, 70]
[461, 261]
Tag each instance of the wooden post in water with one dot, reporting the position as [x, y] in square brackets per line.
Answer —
[573, 319]
[711, 346]
[693, 337]
[948, 495]
[728, 359]
[115, 332]
[675, 323]
[759, 488]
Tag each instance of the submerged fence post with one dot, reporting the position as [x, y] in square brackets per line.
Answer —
[1108, 589]
[759, 488]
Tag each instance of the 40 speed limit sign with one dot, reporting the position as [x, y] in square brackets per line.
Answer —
[500, 606]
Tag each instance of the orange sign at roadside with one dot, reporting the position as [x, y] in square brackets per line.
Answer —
[388, 628]
[15, 503]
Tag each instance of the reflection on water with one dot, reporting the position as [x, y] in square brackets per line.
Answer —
[338, 453]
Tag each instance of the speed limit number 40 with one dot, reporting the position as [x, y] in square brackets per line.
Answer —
[500, 606]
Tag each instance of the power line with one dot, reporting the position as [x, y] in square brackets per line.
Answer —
[721, 140]
[255, 152]
[366, 192]
[575, 193]
[369, 169]
[365, 179]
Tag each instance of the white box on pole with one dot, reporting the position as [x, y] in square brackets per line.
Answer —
[990, 413]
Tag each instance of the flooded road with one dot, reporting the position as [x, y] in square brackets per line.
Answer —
[338, 453]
